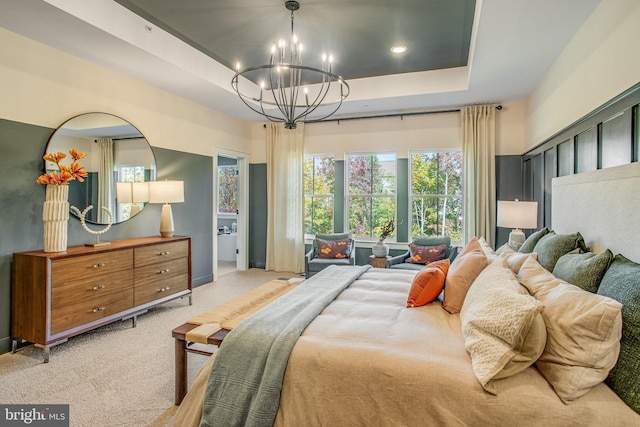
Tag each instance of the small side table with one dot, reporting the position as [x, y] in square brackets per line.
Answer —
[378, 262]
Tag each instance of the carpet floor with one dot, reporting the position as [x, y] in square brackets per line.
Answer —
[118, 375]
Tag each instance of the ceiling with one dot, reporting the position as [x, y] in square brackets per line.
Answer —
[359, 35]
[460, 52]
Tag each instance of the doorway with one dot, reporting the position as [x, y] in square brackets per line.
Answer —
[230, 213]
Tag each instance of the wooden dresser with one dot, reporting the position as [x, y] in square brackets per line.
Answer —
[56, 295]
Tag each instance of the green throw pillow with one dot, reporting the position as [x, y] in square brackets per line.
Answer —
[622, 283]
[530, 243]
[583, 270]
[552, 246]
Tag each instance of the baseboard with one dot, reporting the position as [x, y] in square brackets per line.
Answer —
[202, 280]
[5, 345]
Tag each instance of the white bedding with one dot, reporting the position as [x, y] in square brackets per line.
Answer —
[369, 360]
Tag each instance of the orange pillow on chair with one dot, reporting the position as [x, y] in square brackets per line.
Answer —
[428, 283]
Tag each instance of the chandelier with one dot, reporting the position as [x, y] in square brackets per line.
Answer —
[287, 91]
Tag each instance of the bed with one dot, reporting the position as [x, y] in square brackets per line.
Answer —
[367, 359]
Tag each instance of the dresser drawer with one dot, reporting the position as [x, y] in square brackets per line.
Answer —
[85, 266]
[76, 291]
[147, 255]
[160, 289]
[160, 271]
[92, 309]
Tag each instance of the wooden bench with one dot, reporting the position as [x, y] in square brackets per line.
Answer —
[230, 313]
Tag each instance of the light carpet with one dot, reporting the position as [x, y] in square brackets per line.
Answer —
[118, 375]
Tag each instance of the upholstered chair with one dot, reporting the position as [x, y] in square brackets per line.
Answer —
[315, 261]
[400, 261]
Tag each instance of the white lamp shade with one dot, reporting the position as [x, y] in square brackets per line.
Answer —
[132, 192]
[166, 191]
[516, 214]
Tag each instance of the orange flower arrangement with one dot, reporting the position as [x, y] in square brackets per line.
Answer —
[67, 173]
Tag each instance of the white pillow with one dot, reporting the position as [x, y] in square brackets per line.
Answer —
[515, 260]
[505, 249]
[488, 250]
[583, 332]
[501, 324]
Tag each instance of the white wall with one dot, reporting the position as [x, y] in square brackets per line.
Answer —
[600, 62]
[45, 87]
[420, 132]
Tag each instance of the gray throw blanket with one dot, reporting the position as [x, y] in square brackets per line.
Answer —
[244, 385]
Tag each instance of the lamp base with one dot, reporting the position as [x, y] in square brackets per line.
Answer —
[166, 221]
[516, 239]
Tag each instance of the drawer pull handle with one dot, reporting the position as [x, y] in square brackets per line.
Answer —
[164, 253]
[98, 309]
[98, 265]
[98, 287]
[166, 270]
[164, 289]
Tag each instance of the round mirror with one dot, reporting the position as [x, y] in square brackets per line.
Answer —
[119, 161]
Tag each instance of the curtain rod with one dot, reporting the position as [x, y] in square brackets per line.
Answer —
[382, 116]
[123, 138]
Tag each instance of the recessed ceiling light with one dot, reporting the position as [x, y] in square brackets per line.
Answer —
[399, 48]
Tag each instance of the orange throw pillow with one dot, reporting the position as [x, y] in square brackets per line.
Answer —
[464, 270]
[428, 283]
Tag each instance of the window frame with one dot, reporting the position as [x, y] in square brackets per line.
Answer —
[228, 215]
[412, 196]
[348, 196]
[120, 213]
[314, 195]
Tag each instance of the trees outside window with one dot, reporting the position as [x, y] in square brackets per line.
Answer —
[371, 192]
[129, 173]
[319, 175]
[227, 189]
[436, 194]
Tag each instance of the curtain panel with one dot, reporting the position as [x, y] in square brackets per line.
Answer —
[479, 187]
[106, 181]
[285, 198]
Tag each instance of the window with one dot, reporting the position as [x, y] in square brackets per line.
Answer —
[319, 173]
[436, 194]
[227, 189]
[129, 173]
[371, 192]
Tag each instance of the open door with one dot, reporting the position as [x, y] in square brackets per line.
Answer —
[230, 212]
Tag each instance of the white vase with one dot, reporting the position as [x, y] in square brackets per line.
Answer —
[55, 214]
[380, 249]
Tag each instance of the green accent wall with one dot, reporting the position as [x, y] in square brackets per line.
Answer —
[258, 215]
[508, 187]
[402, 207]
[21, 199]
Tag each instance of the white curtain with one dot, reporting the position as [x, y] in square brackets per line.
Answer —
[479, 188]
[106, 184]
[285, 198]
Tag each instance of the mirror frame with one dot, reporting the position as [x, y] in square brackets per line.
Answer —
[87, 128]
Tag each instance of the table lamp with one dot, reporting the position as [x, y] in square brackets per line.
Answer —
[516, 215]
[134, 193]
[166, 192]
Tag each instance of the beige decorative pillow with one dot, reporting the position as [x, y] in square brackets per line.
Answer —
[486, 249]
[583, 332]
[501, 324]
[505, 249]
[464, 270]
[516, 259]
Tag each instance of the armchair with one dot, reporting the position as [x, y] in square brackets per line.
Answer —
[399, 261]
[313, 263]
